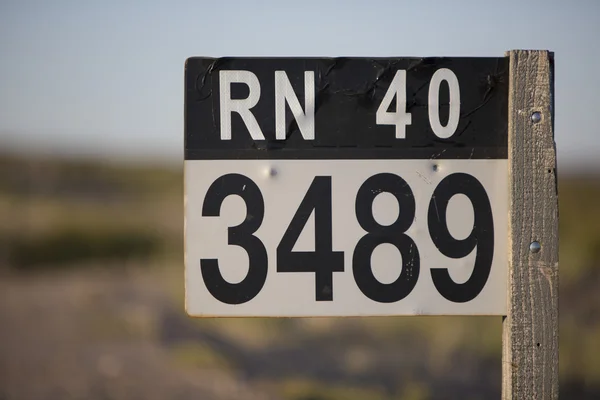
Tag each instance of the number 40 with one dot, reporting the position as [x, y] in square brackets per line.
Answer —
[400, 118]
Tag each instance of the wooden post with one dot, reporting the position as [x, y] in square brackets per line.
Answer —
[530, 330]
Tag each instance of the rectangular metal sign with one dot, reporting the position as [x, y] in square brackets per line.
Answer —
[346, 186]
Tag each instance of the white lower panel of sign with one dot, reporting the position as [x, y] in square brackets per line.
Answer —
[395, 237]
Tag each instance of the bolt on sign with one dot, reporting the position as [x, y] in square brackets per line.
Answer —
[378, 187]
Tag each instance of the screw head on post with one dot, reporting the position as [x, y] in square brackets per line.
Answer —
[536, 117]
[535, 247]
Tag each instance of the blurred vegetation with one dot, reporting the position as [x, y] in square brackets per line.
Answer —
[66, 213]
[299, 389]
[579, 265]
[200, 355]
[58, 213]
[75, 246]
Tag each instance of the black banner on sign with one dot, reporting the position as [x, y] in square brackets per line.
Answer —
[346, 108]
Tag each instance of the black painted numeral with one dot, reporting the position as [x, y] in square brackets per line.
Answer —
[323, 261]
[241, 235]
[482, 236]
[378, 234]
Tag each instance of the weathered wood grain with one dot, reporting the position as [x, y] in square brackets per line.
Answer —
[530, 330]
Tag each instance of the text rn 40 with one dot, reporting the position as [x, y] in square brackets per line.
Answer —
[305, 118]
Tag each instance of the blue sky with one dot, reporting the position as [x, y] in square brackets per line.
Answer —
[106, 77]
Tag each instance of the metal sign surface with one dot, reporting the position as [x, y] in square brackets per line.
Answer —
[346, 186]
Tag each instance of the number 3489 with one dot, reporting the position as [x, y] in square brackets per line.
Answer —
[324, 260]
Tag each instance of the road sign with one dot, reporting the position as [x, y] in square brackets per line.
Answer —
[346, 186]
[386, 186]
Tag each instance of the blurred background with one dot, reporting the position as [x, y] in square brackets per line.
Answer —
[91, 204]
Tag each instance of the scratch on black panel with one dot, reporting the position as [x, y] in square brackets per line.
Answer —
[322, 86]
[463, 129]
[491, 83]
[386, 72]
[416, 64]
[426, 63]
[322, 95]
[336, 63]
[420, 88]
[202, 78]
[367, 94]
[204, 74]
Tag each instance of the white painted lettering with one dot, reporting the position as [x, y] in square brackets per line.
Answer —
[444, 74]
[285, 93]
[240, 106]
[400, 118]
